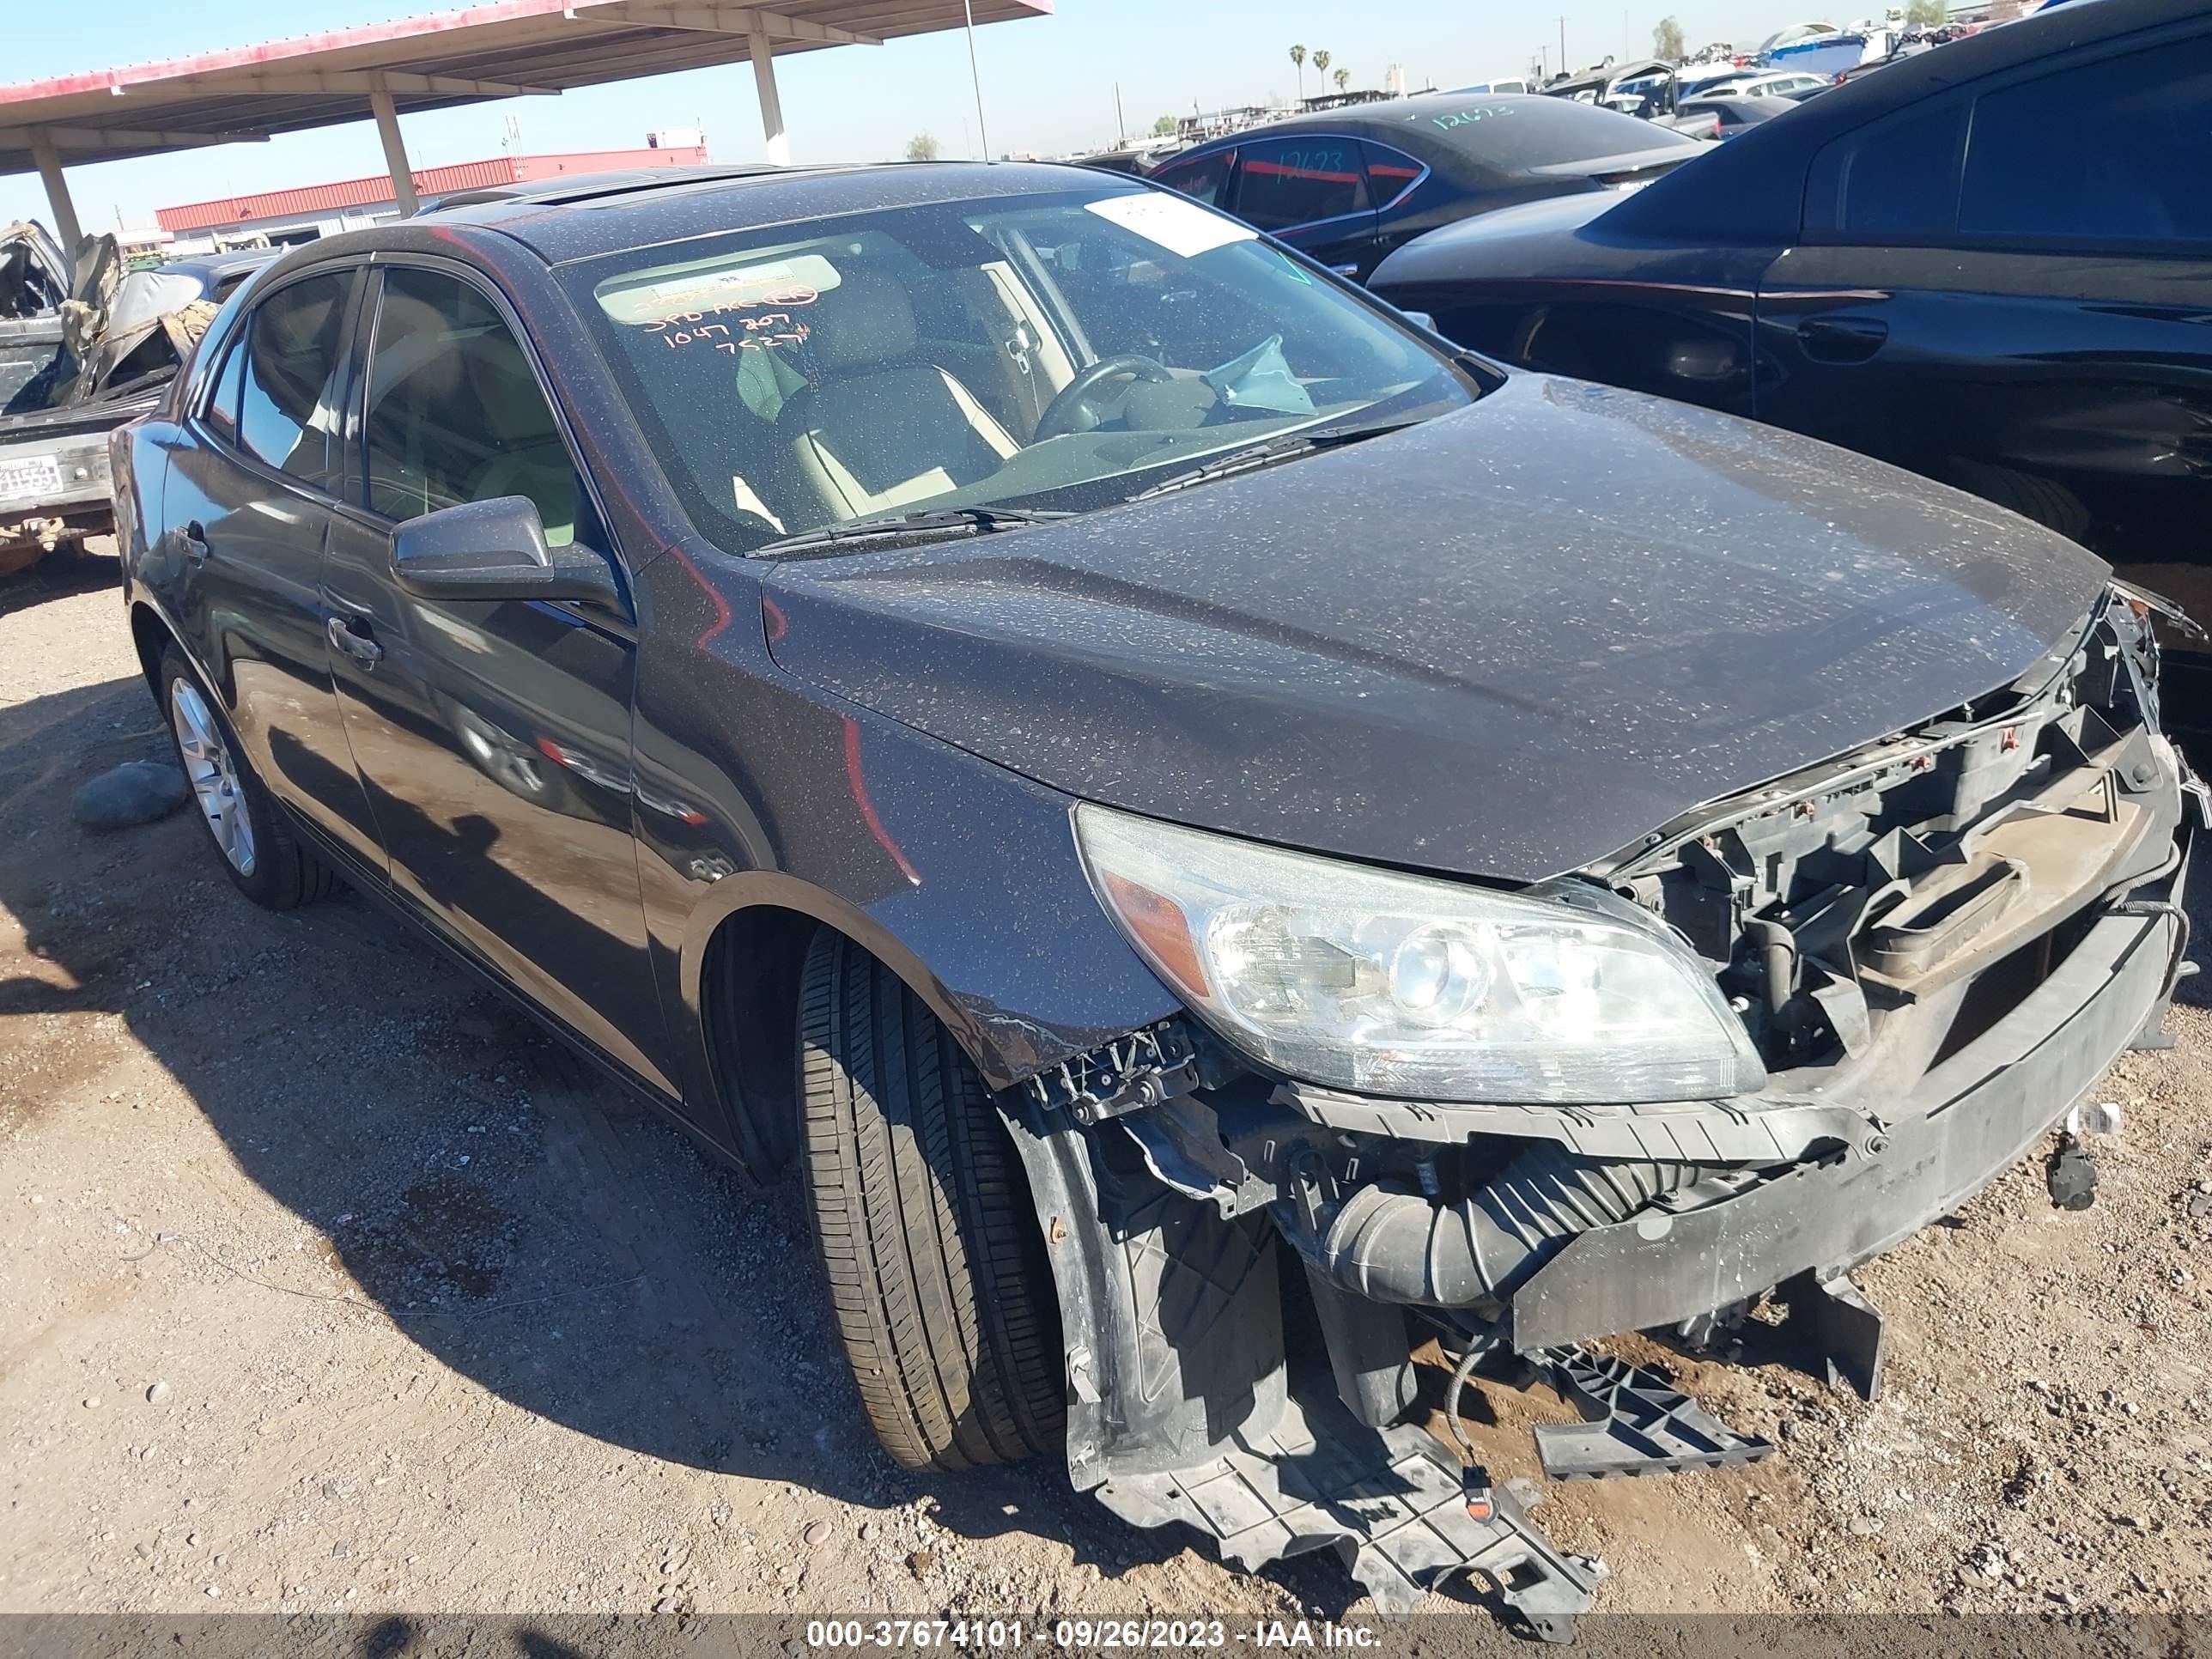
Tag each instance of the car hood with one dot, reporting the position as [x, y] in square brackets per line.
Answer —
[1506, 642]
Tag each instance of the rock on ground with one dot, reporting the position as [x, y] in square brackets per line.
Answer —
[137, 792]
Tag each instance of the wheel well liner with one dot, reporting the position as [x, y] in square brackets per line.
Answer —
[152, 635]
[748, 1015]
[742, 957]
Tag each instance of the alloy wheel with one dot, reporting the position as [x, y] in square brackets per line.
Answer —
[212, 773]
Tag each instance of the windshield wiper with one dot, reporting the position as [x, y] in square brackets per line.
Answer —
[1287, 448]
[934, 524]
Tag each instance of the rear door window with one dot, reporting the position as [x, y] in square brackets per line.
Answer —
[1895, 179]
[220, 411]
[293, 349]
[1390, 173]
[1201, 179]
[2119, 151]
[1282, 182]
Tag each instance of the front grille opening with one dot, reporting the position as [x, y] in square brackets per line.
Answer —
[2009, 981]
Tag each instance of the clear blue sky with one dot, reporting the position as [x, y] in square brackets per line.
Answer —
[1048, 82]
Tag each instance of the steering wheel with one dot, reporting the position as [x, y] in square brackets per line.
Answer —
[1061, 415]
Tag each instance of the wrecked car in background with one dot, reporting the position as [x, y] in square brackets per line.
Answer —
[895, 664]
[80, 353]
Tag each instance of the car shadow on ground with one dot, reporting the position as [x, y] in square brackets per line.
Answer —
[528, 1223]
[59, 574]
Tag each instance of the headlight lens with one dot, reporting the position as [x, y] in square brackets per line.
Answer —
[1397, 985]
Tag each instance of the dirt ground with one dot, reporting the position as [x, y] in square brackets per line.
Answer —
[327, 1286]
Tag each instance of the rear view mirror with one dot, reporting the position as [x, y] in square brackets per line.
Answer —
[495, 550]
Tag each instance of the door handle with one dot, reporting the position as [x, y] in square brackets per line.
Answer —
[1842, 340]
[194, 538]
[366, 651]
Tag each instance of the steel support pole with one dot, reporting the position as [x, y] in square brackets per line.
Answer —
[771, 106]
[58, 196]
[395, 153]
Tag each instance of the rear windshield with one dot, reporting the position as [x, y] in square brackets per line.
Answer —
[1511, 134]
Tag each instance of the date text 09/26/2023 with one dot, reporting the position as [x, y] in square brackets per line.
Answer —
[1083, 1634]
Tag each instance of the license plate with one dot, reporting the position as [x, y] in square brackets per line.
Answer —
[35, 477]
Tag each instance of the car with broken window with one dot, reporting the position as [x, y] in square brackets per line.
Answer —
[900, 667]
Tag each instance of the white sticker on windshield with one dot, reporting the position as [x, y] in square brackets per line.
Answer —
[1176, 225]
[798, 280]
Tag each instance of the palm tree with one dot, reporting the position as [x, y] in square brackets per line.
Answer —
[1298, 57]
[1320, 66]
[1343, 79]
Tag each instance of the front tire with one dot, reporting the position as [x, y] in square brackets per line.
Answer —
[926, 1235]
[259, 850]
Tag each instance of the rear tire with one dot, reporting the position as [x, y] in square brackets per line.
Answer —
[2050, 504]
[928, 1237]
[275, 871]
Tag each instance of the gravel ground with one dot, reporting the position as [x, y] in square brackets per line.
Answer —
[328, 1285]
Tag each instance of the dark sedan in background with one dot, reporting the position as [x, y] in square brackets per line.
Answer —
[1346, 187]
[1991, 262]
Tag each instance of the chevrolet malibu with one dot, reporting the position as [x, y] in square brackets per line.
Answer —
[1225, 839]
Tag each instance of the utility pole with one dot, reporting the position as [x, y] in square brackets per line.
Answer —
[1563, 45]
[975, 76]
[1120, 121]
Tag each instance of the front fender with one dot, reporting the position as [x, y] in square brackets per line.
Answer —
[961, 877]
[755, 788]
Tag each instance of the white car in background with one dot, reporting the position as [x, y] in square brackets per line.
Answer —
[1766, 85]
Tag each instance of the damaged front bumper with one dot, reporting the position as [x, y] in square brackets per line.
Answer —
[1970, 1119]
[1959, 930]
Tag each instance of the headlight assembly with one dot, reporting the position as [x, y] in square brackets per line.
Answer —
[1398, 985]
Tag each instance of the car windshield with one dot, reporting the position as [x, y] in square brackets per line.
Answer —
[1061, 351]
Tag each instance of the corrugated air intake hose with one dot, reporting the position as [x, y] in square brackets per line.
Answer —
[1403, 1247]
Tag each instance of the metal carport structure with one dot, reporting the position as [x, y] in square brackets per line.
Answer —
[504, 49]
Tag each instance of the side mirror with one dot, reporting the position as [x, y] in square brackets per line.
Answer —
[495, 550]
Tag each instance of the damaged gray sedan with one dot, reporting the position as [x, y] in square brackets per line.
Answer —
[1227, 840]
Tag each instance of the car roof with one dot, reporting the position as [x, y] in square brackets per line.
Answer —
[1379, 120]
[581, 217]
[586, 187]
[213, 269]
[1414, 124]
[1747, 190]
